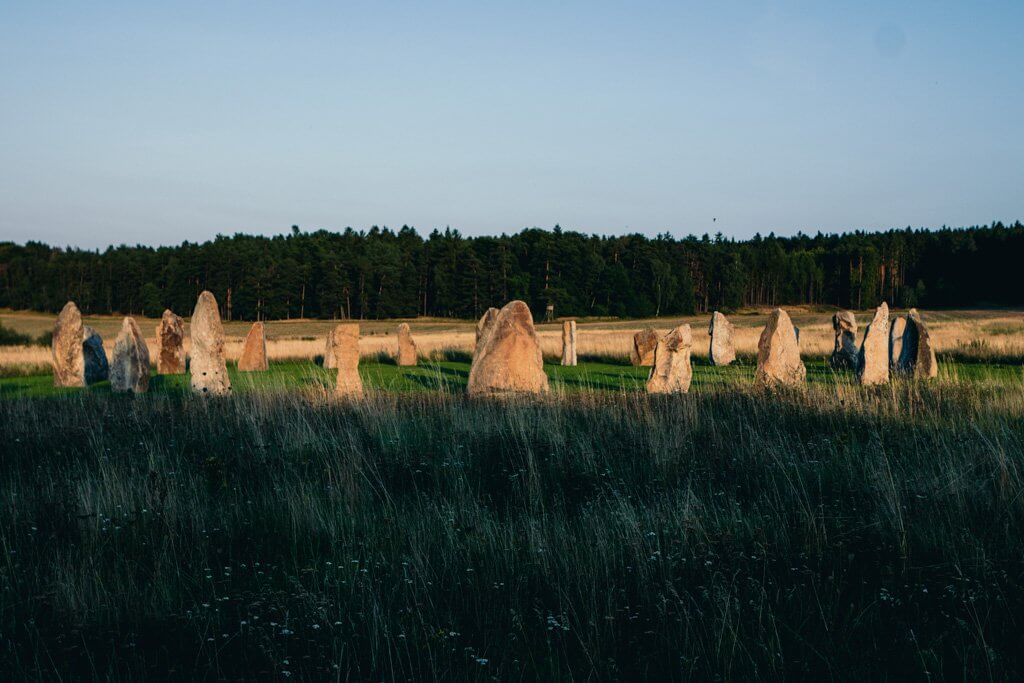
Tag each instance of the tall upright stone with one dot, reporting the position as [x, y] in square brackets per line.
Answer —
[569, 343]
[844, 350]
[330, 362]
[722, 350]
[483, 325]
[644, 343]
[672, 371]
[916, 351]
[508, 360]
[208, 371]
[254, 353]
[346, 357]
[129, 367]
[926, 365]
[778, 353]
[170, 344]
[896, 331]
[95, 356]
[66, 347]
[407, 355]
[873, 358]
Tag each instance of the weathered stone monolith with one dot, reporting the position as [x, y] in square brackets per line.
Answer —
[406, 346]
[569, 343]
[346, 356]
[129, 365]
[170, 344]
[722, 350]
[916, 353]
[926, 365]
[873, 358]
[896, 331]
[778, 353]
[483, 325]
[672, 372]
[644, 343]
[208, 371]
[254, 353]
[330, 362]
[509, 360]
[68, 336]
[95, 356]
[844, 350]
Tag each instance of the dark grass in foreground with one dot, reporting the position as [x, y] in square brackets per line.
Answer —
[830, 533]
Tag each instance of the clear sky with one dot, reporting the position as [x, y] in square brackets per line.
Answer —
[159, 122]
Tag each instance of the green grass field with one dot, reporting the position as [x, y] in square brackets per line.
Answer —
[451, 376]
[830, 531]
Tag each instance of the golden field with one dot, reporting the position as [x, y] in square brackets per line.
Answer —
[983, 332]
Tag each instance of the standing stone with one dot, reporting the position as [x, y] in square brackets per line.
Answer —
[896, 332]
[873, 359]
[170, 344]
[330, 362]
[722, 351]
[672, 372]
[916, 355]
[68, 336]
[844, 350]
[129, 368]
[94, 355]
[644, 343]
[509, 359]
[926, 365]
[569, 343]
[483, 325]
[346, 357]
[406, 346]
[907, 357]
[254, 353]
[778, 353]
[209, 373]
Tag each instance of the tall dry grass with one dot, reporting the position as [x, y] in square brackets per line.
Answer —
[730, 535]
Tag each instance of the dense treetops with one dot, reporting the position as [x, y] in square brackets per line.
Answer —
[382, 273]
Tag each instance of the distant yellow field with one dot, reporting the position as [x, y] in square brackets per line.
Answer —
[979, 331]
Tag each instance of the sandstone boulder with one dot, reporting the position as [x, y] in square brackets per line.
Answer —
[329, 360]
[508, 360]
[66, 347]
[129, 367]
[209, 373]
[407, 355]
[644, 343]
[873, 359]
[95, 356]
[254, 353]
[672, 371]
[170, 344]
[722, 351]
[916, 353]
[778, 353]
[926, 365]
[346, 356]
[483, 325]
[844, 350]
[896, 331]
[569, 343]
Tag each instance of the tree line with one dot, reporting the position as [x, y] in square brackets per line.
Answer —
[384, 273]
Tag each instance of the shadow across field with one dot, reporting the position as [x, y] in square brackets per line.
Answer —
[730, 533]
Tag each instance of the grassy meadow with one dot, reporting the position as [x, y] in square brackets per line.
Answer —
[833, 531]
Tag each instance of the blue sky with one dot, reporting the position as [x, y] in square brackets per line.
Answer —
[132, 122]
